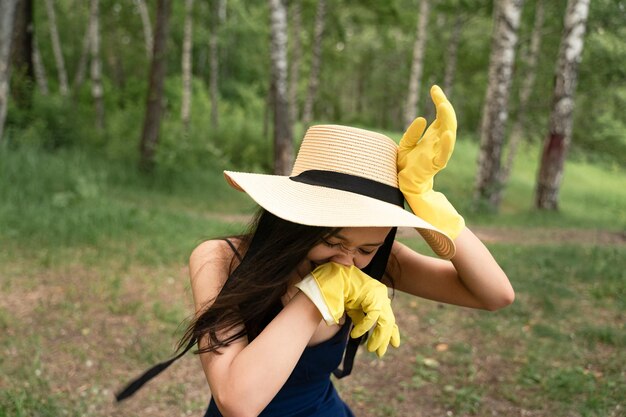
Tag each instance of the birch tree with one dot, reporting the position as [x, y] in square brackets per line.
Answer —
[495, 111]
[283, 140]
[40, 70]
[417, 64]
[56, 48]
[296, 58]
[79, 76]
[530, 73]
[146, 25]
[218, 15]
[185, 110]
[559, 136]
[316, 62]
[97, 91]
[154, 107]
[7, 17]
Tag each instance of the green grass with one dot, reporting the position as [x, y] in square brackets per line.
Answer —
[75, 199]
[92, 271]
[591, 196]
[556, 351]
[71, 199]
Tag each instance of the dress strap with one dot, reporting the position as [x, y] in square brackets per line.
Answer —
[232, 246]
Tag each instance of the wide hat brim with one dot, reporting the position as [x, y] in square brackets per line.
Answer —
[316, 205]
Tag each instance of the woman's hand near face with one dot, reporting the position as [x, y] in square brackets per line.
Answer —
[336, 289]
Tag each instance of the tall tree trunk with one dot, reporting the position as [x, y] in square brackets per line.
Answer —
[22, 54]
[296, 58]
[316, 62]
[451, 57]
[495, 111]
[79, 76]
[185, 110]
[7, 18]
[283, 140]
[154, 107]
[97, 91]
[147, 26]
[221, 12]
[517, 132]
[56, 48]
[559, 136]
[217, 12]
[40, 70]
[269, 107]
[410, 109]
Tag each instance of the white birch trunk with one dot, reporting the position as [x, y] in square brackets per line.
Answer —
[40, 70]
[185, 110]
[7, 18]
[96, 64]
[283, 141]
[218, 14]
[56, 48]
[316, 63]
[559, 136]
[296, 57]
[79, 76]
[417, 65]
[147, 26]
[530, 71]
[495, 111]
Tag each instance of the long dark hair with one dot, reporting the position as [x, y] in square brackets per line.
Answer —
[270, 251]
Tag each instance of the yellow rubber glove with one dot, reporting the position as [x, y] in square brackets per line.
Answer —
[336, 289]
[384, 333]
[420, 156]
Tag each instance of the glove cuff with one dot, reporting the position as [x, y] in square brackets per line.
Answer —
[309, 287]
[435, 208]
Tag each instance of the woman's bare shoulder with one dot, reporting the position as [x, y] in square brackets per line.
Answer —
[207, 251]
[209, 266]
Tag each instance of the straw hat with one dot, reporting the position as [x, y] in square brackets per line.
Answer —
[342, 177]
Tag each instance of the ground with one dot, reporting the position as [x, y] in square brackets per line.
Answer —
[108, 328]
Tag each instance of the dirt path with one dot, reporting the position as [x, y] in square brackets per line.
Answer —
[530, 236]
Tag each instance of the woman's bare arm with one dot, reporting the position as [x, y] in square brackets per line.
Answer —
[246, 376]
[472, 278]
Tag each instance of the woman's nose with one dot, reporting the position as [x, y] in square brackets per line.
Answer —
[344, 258]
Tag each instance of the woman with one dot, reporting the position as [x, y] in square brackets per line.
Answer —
[276, 306]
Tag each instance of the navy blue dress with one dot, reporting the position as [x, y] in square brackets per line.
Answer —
[308, 391]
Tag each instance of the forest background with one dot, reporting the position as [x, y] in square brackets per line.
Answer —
[95, 235]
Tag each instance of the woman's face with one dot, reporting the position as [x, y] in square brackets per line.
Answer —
[348, 246]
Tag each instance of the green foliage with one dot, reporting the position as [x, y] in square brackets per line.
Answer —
[76, 199]
[600, 122]
[366, 57]
[52, 122]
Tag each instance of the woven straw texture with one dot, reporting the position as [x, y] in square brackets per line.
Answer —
[350, 151]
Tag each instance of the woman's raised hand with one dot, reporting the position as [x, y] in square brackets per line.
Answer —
[421, 155]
